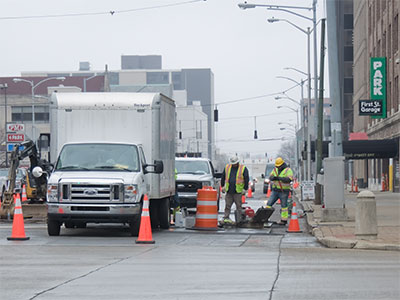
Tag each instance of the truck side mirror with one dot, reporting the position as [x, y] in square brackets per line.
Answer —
[158, 167]
[218, 175]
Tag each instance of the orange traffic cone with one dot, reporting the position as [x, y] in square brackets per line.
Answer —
[279, 201]
[18, 229]
[269, 191]
[243, 199]
[145, 235]
[294, 222]
[250, 193]
[24, 198]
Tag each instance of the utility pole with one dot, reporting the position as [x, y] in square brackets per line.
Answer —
[318, 185]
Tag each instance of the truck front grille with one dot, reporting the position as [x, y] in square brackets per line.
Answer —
[188, 186]
[76, 192]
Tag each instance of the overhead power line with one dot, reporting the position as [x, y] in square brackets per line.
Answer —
[111, 12]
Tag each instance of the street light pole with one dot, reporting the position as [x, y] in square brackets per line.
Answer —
[314, 21]
[33, 86]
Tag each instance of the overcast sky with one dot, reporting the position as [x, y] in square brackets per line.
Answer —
[244, 51]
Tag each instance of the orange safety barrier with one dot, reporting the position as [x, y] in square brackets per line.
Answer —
[145, 235]
[24, 198]
[356, 185]
[207, 212]
[294, 221]
[249, 193]
[18, 228]
[269, 191]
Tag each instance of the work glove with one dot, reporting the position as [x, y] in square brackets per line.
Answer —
[223, 190]
[244, 192]
[272, 178]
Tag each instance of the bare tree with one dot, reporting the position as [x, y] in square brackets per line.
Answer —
[288, 152]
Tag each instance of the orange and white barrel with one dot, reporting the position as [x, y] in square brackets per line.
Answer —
[207, 212]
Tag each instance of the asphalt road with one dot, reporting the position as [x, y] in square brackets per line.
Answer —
[103, 262]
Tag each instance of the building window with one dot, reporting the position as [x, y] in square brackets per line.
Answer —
[178, 80]
[348, 69]
[157, 77]
[348, 38]
[24, 114]
[348, 21]
[348, 86]
[348, 53]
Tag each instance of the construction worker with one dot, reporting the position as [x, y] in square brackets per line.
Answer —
[235, 182]
[281, 176]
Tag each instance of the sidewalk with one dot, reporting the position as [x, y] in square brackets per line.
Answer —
[342, 234]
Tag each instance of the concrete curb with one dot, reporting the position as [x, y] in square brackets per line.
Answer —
[334, 242]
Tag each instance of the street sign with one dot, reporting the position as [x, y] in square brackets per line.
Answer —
[15, 137]
[378, 82]
[15, 127]
[10, 147]
[370, 107]
[307, 190]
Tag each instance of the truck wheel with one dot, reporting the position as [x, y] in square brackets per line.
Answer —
[154, 207]
[134, 226]
[164, 213]
[53, 227]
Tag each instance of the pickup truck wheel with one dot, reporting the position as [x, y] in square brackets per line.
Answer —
[164, 214]
[53, 227]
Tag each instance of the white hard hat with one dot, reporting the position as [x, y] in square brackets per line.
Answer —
[234, 160]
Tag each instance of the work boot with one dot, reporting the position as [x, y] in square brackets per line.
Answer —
[282, 222]
[227, 221]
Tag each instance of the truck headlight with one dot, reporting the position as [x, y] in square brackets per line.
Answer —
[206, 183]
[130, 193]
[52, 193]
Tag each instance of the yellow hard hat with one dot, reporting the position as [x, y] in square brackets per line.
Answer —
[279, 162]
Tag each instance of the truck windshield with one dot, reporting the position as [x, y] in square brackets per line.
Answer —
[192, 167]
[116, 157]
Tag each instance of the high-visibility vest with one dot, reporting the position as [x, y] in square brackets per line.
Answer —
[239, 178]
[287, 172]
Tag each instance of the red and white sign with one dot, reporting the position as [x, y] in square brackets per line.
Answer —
[15, 127]
[15, 137]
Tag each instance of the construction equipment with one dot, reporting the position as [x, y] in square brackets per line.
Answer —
[246, 218]
[36, 187]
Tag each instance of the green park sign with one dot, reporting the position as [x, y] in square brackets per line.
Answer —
[378, 82]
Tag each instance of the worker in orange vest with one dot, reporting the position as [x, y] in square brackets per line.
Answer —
[235, 182]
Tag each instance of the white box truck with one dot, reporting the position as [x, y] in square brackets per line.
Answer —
[112, 149]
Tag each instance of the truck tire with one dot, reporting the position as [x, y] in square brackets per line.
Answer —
[164, 214]
[154, 207]
[134, 226]
[53, 227]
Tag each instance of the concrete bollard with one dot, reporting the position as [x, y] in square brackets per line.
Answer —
[366, 223]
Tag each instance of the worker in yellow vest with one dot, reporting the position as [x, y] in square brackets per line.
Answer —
[235, 182]
[281, 177]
